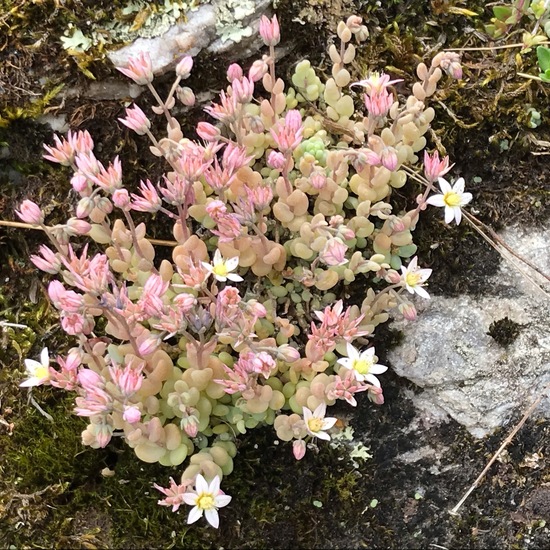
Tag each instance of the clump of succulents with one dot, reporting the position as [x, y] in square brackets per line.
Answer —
[284, 200]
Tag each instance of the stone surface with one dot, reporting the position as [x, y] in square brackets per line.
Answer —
[460, 368]
[218, 27]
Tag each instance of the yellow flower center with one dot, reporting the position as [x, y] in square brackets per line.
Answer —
[205, 501]
[220, 270]
[362, 366]
[452, 198]
[412, 279]
[42, 372]
[315, 424]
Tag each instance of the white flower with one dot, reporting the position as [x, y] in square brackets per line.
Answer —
[39, 373]
[413, 278]
[206, 499]
[221, 269]
[316, 422]
[452, 198]
[363, 364]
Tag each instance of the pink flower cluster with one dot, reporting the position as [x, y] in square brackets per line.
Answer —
[336, 326]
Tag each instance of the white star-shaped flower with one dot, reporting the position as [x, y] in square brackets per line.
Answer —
[413, 278]
[39, 372]
[363, 364]
[221, 269]
[316, 423]
[206, 499]
[453, 198]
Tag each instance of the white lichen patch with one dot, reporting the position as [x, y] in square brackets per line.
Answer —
[138, 19]
[75, 41]
[357, 450]
[230, 15]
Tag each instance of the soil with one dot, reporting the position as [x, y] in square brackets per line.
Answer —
[54, 493]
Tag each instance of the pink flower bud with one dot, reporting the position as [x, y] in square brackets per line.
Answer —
[378, 103]
[30, 212]
[148, 345]
[186, 96]
[121, 199]
[334, 252]
[318, 180]
[243, 90]
[136, 120]
[104, 435]
[131, 414]
[336, 221]
[396, 224]
[389, 158]
[364, 158]
[90, 380]
[293, 120]
[269, 30]
[75, 323]
[276, 160]
[140, 69]
[257, 71]
[84, 207]
[234, 72]
[215, 209]
[450, 63]
[408, 311]
[185, 301]
[56, 291]
[288, 353]
[374, 393]
[183, 68]
[190, 425]
[256, 125]
[257, 309]
[455, 71]
[261, 197]
[208, 131]
[62, 152]
[347, 234]
[80, 184]
[76, 226]
[299, 449]
[353, 22]
[104, 204]
[393, 277]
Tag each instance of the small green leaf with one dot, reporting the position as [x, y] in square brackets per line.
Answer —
[502, 12]
[543, 55]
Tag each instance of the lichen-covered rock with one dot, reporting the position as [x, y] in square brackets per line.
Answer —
[217, 26]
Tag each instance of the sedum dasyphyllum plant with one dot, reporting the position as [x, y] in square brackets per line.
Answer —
[282, 201]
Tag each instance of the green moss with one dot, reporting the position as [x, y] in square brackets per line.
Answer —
[29, 110]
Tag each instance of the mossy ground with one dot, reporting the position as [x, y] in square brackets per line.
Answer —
[52, 491]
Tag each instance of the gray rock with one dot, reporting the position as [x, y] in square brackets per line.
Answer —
[460, 369]
[219, 26]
